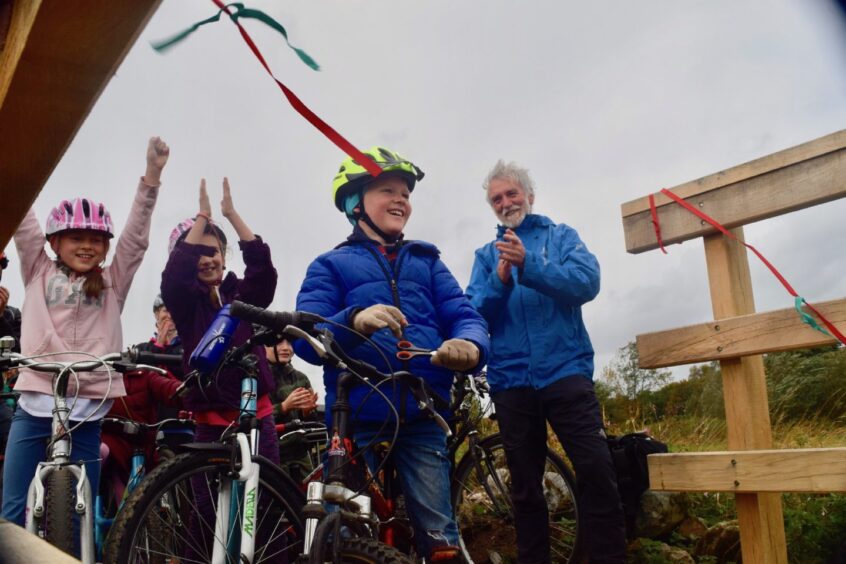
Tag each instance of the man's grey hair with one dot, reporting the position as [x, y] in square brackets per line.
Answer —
[510, 171]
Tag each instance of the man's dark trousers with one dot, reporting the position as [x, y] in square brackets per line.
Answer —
[571, 407]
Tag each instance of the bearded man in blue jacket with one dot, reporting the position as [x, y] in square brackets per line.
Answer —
[529, 284]
[389, 288]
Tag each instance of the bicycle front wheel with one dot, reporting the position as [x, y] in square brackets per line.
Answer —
[170, 516]
[59, 501]
[351, 547]
[484, 513]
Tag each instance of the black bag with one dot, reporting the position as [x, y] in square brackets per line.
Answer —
[629, 454]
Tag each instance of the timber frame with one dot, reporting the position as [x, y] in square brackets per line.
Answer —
[56, 57]
[793, 179]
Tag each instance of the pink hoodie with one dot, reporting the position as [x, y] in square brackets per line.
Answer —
[57, 317]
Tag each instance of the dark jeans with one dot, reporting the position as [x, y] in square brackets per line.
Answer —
[572, 410]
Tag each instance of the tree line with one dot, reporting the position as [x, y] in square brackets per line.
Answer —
[805, 384]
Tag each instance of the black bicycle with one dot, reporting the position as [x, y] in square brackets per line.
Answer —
[370, 505]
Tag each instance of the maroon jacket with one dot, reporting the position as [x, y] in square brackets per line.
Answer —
[189, 303]
[144, 391]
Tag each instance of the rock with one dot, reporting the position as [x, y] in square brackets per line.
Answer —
[692, 527]
[660, 513]
[646, 551]
[722, 541]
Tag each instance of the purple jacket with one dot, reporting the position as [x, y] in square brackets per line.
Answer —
[189, 303]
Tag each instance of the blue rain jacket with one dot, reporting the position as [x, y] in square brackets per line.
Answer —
[537, 333]
[356, 275]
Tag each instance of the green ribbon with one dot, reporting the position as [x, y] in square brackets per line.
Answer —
[808, 318]
[240, 12]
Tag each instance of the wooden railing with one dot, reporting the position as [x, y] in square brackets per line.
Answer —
[793, 179]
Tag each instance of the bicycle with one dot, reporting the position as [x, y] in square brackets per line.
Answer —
[51, 502]
[351, 529]
[370, 505]
[214, 502]
[480, 486]
[107, 503]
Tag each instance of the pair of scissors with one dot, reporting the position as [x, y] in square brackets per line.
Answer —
[407, 351]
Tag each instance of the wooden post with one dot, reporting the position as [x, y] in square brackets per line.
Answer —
[745, 395]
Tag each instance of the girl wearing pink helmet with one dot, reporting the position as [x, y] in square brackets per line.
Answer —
[195, 285]
[73, 303]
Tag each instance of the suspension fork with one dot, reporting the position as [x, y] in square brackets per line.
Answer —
[238, 494]
[59, 457]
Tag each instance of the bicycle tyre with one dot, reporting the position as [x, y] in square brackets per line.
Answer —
[59, 501]
[484, 513]
[354, 549]
[162, 519]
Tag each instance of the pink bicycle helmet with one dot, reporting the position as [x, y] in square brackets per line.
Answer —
[183, 227]
[179, 232]
[79, 213]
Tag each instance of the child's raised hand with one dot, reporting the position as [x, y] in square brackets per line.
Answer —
[157, 155]
[227, 208]
[205, 206]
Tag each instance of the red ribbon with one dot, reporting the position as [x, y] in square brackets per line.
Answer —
[705, 217]
[302, 109]
[655, 223]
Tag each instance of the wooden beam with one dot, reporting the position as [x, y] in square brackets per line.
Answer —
[20, 23]
[794, 179]
[65, 55]
[759, 515]
[774, 331]
[810, 470]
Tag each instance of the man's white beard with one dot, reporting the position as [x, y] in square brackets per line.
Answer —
[513, 221]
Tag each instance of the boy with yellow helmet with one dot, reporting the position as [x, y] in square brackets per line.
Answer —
[389, 288]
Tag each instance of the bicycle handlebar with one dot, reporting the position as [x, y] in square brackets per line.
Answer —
[119, 362]
[143, 357]
[132, 427]
[276, 321]
[302, 324]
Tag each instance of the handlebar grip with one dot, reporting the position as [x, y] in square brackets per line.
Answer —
[275, 320]
[143, 357]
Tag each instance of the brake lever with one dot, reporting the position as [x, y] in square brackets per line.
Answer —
[427, 404]
[314, 343]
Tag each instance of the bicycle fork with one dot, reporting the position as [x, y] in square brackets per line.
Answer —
[239, 493]
[59, 458]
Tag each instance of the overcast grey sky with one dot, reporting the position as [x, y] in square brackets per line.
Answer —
[603, 101]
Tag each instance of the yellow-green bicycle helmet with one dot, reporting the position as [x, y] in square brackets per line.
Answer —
[352, 177]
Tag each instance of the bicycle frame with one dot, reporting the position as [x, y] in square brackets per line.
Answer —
[103, 523]
[339, 455]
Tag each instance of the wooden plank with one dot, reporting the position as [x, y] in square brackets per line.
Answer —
[734, 337]
[778, 191]
[810, 470]
[793, 155]
[760, 515]
[68, 53]
[20, 23]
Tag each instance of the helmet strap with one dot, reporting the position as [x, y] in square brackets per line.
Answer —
[362, 215]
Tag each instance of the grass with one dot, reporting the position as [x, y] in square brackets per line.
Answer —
[815, 524]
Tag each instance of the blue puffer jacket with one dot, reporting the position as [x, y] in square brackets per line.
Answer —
[537, 333]
[356, 275]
